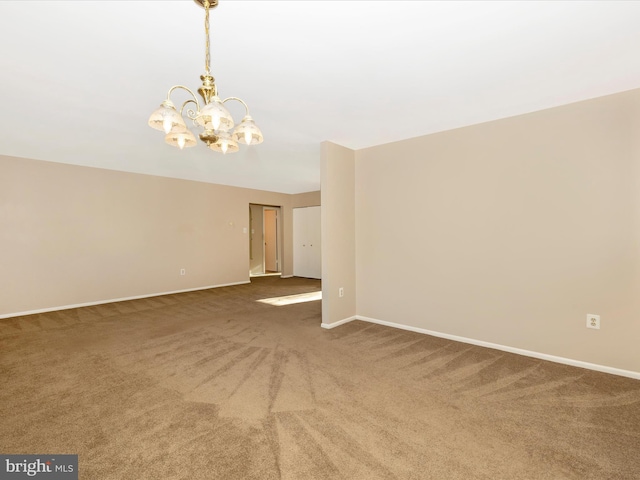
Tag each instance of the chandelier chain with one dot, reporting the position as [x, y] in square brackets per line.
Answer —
[207, 67]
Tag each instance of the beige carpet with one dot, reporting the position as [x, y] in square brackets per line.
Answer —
[215, 385]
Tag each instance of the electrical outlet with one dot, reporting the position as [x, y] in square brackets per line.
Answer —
[593, 321]
[341, 292]
[183, 271]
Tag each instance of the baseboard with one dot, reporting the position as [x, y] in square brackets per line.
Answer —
[329, 326]
[286, 276]
[504, 348]
[114, 300]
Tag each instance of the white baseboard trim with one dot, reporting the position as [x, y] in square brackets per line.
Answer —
[114, 300]
[286, 276]
[329, 326]
[504, 348]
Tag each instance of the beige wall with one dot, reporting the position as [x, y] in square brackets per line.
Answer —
[71, 235]
[308, 199]
[510, 232]
[337, 165]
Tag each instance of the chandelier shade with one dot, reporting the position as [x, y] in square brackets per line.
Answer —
[167, 119]
[225, 144]
[248, 132]
[211, 114]
[181, 140]
[215, 116]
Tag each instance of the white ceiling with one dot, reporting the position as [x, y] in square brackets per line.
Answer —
[78, 79]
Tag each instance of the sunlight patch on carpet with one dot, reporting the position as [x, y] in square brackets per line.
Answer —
[291, 299]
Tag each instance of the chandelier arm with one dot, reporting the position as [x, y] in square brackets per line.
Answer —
[194, 99]
[192, 114]
[239, 100]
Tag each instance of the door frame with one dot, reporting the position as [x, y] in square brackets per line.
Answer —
[279, 238]
[277, 211]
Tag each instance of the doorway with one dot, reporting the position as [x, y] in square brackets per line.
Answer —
[265, 241]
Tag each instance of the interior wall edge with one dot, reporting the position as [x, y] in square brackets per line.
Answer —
[337, 323]
[115, 300]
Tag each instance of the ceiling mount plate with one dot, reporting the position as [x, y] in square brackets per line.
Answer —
[212, 3]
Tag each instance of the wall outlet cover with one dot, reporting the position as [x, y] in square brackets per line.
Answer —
[593, 321]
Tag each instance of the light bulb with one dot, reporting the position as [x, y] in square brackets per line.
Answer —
[247, 137]
[167, 124]
[215, 120]
[224, 147]
[181, 142]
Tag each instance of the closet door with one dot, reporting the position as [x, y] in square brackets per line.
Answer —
[299, 243]
[307, 259]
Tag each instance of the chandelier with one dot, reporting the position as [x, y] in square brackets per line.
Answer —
[212, 116]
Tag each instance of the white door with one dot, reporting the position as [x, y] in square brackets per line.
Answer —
[307, 260]
[299, 243]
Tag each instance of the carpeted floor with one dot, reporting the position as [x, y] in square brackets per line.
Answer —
[216, 385]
